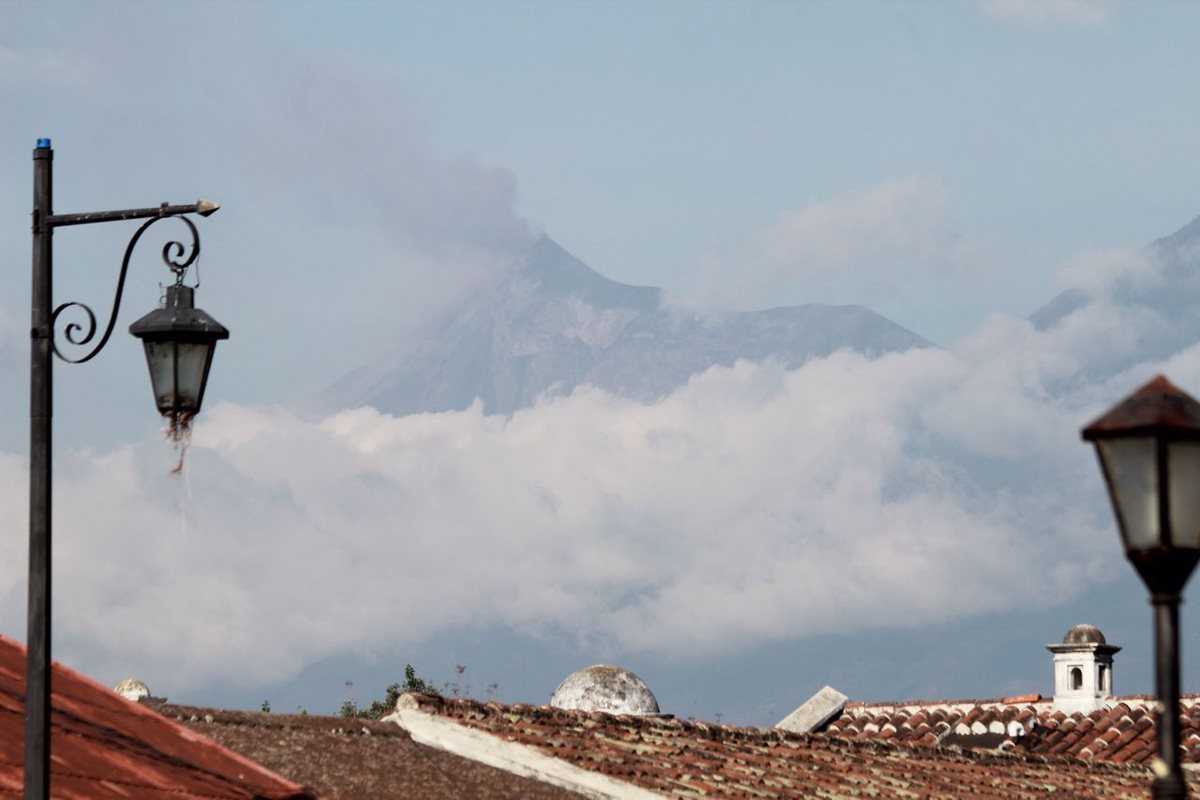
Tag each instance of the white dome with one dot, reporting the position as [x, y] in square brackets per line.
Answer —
[605, 688]
[132, 689]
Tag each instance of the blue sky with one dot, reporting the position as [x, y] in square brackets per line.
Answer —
[941, 163]
[655, 140]
[648, 136]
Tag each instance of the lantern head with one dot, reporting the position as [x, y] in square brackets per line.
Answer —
[179, 340]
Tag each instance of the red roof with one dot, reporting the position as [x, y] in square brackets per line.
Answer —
[104, 746]
[1121, 734]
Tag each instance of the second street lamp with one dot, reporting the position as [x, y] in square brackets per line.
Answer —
[1149, 451]
[179, 341]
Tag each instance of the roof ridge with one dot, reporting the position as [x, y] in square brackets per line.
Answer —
[269, 719]
[991, 701]
[997, 701]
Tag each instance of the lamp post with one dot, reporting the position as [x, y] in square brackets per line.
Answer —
[1149, 451]
[179, 341]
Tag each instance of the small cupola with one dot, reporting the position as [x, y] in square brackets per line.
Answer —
[132, 689]
[606, 688]
[1083, 671]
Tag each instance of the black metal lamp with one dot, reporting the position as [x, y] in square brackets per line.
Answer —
[179, 340]
[1149, 451]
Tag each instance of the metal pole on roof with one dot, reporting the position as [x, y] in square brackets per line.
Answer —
[182, 327]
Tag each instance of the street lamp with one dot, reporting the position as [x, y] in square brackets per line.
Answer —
[1149, 451]
[179, 341]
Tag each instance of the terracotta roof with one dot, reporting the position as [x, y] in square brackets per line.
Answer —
[682, 759]
[354, 759]
[104, 746]
[1121, 734]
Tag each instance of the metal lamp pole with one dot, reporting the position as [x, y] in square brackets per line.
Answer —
[1169, 783]
[37, 665]
[43, 347]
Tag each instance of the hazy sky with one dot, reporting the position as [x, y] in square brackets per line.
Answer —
[940, 163]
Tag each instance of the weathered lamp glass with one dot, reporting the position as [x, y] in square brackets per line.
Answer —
[1149, 451]
[179, 340]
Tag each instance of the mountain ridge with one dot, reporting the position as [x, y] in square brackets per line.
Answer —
[1164, 296]
[551, 323]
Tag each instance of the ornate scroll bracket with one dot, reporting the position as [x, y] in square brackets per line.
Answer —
[175, 254]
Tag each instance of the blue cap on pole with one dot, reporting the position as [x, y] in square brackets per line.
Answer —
[43, 144]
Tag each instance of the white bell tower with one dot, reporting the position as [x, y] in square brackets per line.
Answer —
[1083, 672]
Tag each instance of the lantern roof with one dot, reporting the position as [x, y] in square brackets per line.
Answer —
[1159, 407]
[179, 320]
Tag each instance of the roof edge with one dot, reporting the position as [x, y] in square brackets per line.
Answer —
[1084, 647]
[517, 759]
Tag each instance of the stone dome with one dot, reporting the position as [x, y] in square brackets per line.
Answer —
[132, 689]
[1084, 634]
[605, 688]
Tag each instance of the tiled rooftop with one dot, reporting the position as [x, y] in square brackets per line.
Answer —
[354, 759]
[697, 760]
[1121, 734]
[105, 747]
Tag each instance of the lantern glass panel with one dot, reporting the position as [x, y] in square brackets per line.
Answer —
[191, 368]
[177, 373]
[160, 358]
[1183, 465]
[1132, 471]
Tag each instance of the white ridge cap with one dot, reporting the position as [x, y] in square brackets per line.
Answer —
[517, 759]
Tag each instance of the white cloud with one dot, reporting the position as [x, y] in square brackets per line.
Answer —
[885, 236]
[880, 231]
[1099, 273]
[1072, 12]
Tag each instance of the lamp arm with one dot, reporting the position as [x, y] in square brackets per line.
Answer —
[202, 207]
[175, 255]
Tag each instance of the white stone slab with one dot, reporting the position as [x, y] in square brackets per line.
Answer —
[816, 711]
